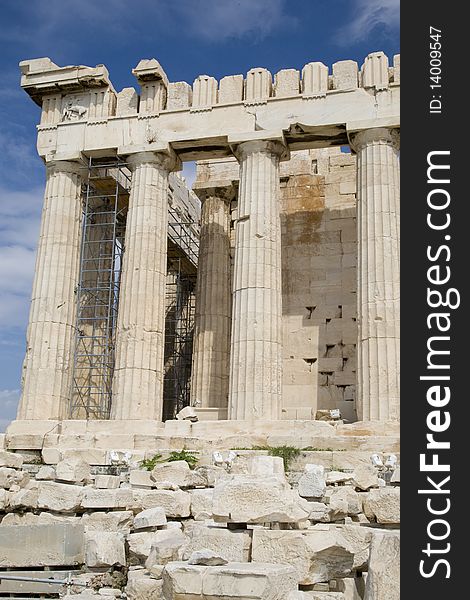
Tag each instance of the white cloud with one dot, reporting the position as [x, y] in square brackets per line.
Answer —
[19, 229]
[369, 14]
[8, 402]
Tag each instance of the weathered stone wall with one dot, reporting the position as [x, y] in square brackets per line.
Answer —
[319, 256]
[238, 524]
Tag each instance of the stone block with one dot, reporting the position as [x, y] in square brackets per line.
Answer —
[107, 482]
[231, 89]
[58, 544]
[25, 499]
[46, 473]
[104, 549]
[141, 586]
[266, 466]
[150, 518]
[60, 497]
[204, 92]
[73, 470]
[176, 504]
[287, 83]
[139, 544]
[232, 545]
[51, 456]
[375, 71]
[13, 477]
[180, 95]
[127, 102]
[312, 482]
[140, 478]
[258, 85]
[176, 472]
[234, 581]
[317, 555]
[343, 502]
[10, 460]
[114, 520]
[365, 477]
[383, 505]
[249, 499]
[166, 546]
[201, 504]
[345, 75]
[107, 499]
[314, 79]
[383, 580]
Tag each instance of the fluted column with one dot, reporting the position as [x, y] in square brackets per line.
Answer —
[256, 359]
[378, 196]
[211, 348]
[47, 368]
[138, 373]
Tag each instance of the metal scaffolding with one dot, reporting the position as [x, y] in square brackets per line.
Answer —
[105, 206]
[106, 198]
[179, 328]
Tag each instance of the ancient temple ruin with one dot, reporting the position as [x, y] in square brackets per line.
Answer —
[96, 335]
[210, 395]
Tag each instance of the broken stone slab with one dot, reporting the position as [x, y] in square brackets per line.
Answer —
[317, 555]
[395, 478]
[60, 497]
[110, 499]
[56, 544]
[46, 473]
[383, 580]
[139, 544]
[10, 477]
[73, 470]
[207, 558]
[104, 549]
[176, 472]
[250, 499]
[365, 477]
[234, 581]
[151, 517]
[3, 500]
[318, 512]
[109, 482]
[335, 477]
[166, 546]
[10, 459]
[232, 545]
[176, 504]
[24, 499]
[383, 505]
[114, 520]
[343, 501]
[201, 503]
[265, 466]
[141, 585]
[312, 483]
[140, 478]
[188, 413]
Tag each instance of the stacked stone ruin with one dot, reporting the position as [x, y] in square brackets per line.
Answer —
[269, 359]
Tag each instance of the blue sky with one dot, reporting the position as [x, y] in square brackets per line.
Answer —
[188, 38]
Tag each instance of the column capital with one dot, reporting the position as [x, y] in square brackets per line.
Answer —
[161, 154]
[64, 166]
[223, 189]
[259, 141]
[359, 139]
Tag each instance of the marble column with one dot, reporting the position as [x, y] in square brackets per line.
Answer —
[138, 373]
[47, 368]
[378, 226]
[256, 359]
[211, 348]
